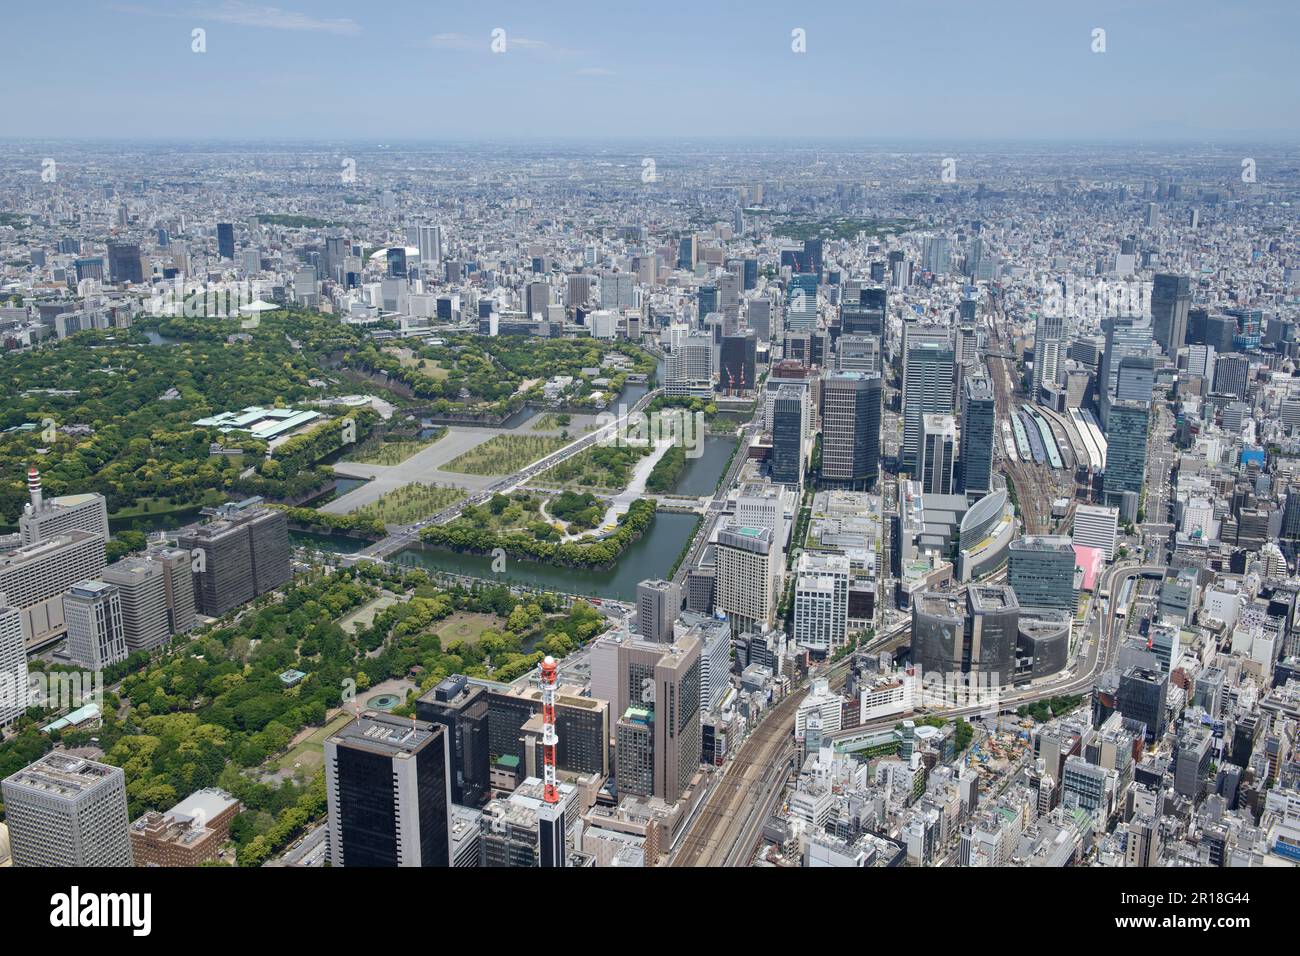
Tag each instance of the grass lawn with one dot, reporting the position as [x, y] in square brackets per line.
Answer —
[410, 503]
[429, 368]
[505, 454]
[310, 752]
[468, 627]
[600, 468]
[396, 452]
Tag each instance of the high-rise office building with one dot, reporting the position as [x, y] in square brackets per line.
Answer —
[865, 313]
[34, 577]
[859, 353]
[226, 240]
[737, 373]
[1125, 336]
[67, 811]
[13, 665]
[243, 552]
[463, 709]
[96, 635]
[388, 789]
[851, 412]
[157, 591]
[125, 264]
[1170, 298]
[744, 586]
[658, 604]
[1041, 570]
[582, 723]
[429, 240]
[1141, 697]
[1096, 526]
[938, 454]
[978, 640]
[977, 435]
[928, 370]
[789, 422]
[821, 601]
[663, 682]
[1049, 352]
[1126, 450]
[1232, 374]
[801, 303]
[43, 518]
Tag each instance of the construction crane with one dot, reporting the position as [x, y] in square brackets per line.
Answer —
[550, 791]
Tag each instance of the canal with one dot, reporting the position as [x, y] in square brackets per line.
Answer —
[651, 557]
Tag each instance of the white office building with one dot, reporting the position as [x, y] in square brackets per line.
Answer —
[1096, 526]
[96, 635]
[821, 601]
[67, 811]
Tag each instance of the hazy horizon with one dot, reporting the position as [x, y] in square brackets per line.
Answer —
[928, 71]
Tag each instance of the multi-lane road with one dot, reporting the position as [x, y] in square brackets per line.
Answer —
[404, 536]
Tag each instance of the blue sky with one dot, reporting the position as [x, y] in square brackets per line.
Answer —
[402, 69]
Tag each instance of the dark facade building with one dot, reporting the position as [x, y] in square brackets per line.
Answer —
[788, 416]
[226, 240]
[388, 787]
[1141, 697]
[977, 435]
[582, 725]
[241, 553]
[462, 708]
[851, 411]
[1126, 450]
[125, 263]
[738, 359]
[1170, 297]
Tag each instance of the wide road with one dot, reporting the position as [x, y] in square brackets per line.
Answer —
[404, 536]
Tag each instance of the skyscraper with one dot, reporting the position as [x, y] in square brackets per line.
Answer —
[33, 579]
[789, 420]
[244, 552]
[125, 263]
[658, 605]
[388, 789]
[463, 709]
[13, 665]
[1049, 352]
[96, 635]
[67, 811]
[1126, 450]
[1170, 298]
[851, 411]
[928, 370]
[43, 518]
[225, 240]
[429, 240]
[744, 576]
[938, 454]
[977, 435]
[821, 601]
[1041, 572]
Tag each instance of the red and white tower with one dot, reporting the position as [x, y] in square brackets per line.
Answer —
[34, 487]
[550, 790]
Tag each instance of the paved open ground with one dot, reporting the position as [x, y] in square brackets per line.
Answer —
[425, 466]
